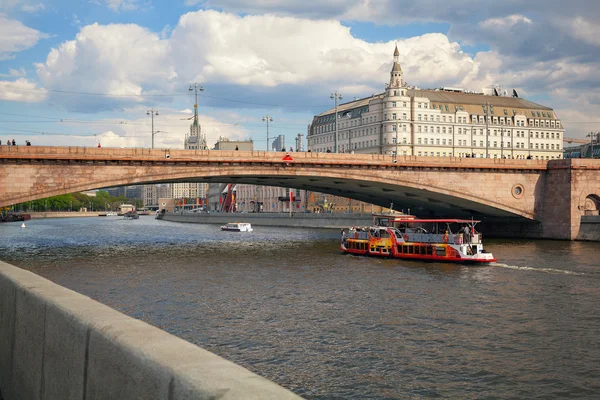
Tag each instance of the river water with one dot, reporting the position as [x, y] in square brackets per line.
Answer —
[287, 305]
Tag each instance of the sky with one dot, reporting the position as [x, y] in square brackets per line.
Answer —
[83, 72]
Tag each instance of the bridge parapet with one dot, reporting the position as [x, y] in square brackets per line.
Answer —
[178, 156]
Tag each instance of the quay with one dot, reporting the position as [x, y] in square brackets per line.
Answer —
[58, 344]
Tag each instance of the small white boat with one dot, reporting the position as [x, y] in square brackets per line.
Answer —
[237, 227]
[23, 225]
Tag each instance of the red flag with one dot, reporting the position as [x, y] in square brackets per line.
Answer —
[291, 197]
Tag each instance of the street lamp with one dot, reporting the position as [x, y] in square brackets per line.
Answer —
[336, 96]
[487, 107]
[396, 152]
[195, 87]
[152, 112]
[267, 119]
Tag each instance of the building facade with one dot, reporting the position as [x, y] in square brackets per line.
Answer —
[406, 120]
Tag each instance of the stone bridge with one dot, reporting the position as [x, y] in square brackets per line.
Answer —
[534, 198]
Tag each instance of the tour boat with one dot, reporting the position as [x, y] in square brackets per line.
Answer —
[237, 227]
[406, 237]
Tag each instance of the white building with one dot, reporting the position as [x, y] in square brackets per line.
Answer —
[438, 122]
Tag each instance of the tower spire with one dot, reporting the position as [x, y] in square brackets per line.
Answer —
[396, 73]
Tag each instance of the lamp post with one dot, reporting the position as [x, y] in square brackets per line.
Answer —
[396, 152]
[336, 96]
[501, 141]
[487, 109]
[267, 119]
[195, 87]
[152, 112]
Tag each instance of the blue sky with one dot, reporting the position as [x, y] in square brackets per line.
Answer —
[81, 72]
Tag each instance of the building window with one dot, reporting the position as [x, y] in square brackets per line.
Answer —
[394, 116]
[393, 102]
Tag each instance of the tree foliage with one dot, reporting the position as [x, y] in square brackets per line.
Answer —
[76, 201]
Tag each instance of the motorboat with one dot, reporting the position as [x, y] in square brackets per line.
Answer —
[237, 227]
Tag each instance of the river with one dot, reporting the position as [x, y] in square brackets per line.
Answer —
[287, 305]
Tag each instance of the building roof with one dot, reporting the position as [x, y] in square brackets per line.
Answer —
[349, 106]
[470, 102]
[442, 96]
[396, 52]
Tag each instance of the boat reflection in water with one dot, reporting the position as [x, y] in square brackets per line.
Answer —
[237, 227]
[406, 237]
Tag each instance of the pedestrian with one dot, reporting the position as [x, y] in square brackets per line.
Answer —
[14, 143]
[99, 145]
[236, 148]
[291, 149]
[283, 148]
[28, 143]
[0, 142]
[8, 142]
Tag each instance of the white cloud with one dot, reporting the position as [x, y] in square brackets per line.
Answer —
[118, 5]
[16, 37]
[269, 51]
[120, 60]
[581, 29]
[33, 8]
[14, 73]
[505, 22]
[21, 90]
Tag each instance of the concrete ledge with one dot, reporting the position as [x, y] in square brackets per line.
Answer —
[58, 344]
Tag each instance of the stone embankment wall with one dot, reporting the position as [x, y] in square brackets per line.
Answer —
[58, 344]
[303, 220]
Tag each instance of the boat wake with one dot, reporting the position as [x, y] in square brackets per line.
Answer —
[546, 270]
